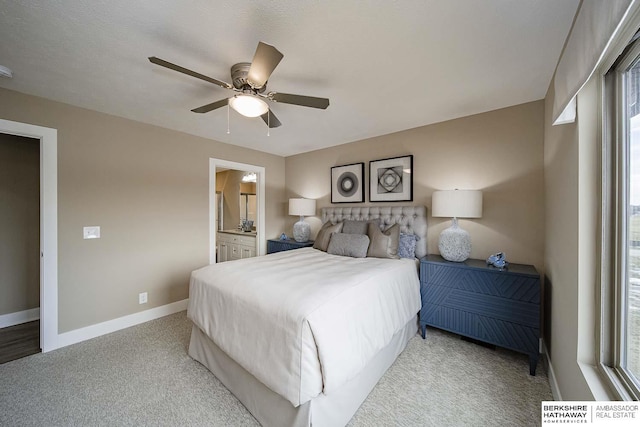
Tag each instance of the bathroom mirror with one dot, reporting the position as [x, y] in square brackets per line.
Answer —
[239, 203]
[248, 207]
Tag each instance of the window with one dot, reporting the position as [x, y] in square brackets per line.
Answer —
[632, 218]
[621, 217]
[630, 289]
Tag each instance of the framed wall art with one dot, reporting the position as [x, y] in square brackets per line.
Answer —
[391, 180]
[347, 183]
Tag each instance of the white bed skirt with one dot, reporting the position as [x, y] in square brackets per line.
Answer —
[271, 409]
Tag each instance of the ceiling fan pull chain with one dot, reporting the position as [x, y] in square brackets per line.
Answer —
[268, 122]
[228, 130]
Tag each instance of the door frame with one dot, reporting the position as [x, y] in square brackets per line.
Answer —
[261, 245]
[48, 138]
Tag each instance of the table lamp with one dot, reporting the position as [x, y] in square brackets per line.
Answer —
[454, 242]
[302, 207]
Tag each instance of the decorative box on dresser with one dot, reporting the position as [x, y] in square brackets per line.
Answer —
[277, 245]
[482, 302]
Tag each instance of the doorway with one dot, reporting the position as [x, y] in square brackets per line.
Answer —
[19, 247]
[48, 225]
[233, 213]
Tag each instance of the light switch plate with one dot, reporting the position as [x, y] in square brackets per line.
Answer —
[91, 232]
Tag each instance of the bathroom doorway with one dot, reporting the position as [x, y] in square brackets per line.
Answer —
[236, 210]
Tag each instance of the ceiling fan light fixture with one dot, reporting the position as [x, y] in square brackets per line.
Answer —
[248, 105]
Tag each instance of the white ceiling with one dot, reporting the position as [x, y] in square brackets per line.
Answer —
[385, 65]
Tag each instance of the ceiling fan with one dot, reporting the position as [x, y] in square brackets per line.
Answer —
[250, 83]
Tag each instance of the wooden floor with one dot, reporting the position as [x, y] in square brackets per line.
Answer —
[19, 341]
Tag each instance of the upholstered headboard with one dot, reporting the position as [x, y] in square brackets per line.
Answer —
[412, 219]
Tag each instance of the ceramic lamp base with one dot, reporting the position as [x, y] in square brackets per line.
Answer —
[301, 231]
[454, 243]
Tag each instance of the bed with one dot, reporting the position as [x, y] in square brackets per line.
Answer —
[301, 337]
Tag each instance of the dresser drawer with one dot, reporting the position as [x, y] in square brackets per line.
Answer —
[495, 283]
[489, 329]
[240, 240]
[514, 311]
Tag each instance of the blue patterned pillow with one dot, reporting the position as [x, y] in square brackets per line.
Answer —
[407, 246]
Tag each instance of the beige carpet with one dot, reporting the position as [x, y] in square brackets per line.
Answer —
[142, 376]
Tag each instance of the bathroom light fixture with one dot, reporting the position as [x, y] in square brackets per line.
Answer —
[454, 243]
[5, 72]
[248, 105]
[249, 177]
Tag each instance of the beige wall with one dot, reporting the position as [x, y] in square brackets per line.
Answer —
[248, 187]
[147, 187]
[499, 152]
[19, 223]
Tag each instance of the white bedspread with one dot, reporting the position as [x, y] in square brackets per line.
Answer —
[303, 321]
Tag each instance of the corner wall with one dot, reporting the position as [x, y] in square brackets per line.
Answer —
[147, 187]
[499, 152]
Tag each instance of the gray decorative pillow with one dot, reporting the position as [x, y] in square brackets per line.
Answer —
[324, 235]
[384, 244]
[407, 246]
[353, 245]
[358, 227]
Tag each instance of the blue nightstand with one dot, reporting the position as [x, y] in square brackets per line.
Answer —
[277, 245]
[481, 302]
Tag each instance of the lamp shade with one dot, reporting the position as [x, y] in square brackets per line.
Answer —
[457, 204]
[302, 207]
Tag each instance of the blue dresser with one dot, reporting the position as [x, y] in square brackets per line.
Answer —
[481, 302]
[277, 245]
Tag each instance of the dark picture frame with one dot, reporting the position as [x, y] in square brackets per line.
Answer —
[347, 183]
[391, 180]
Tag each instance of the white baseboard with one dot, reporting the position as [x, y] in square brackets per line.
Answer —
[19, 317]
[93, 331]
[553, 382]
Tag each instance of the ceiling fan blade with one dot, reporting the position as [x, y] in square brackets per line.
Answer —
[188, 72]
[265, 60]
[270, 119]
[211, 107]
[305, 101]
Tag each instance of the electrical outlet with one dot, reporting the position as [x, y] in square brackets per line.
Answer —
[142, 298]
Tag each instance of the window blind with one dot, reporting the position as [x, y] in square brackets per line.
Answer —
[594, 27]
